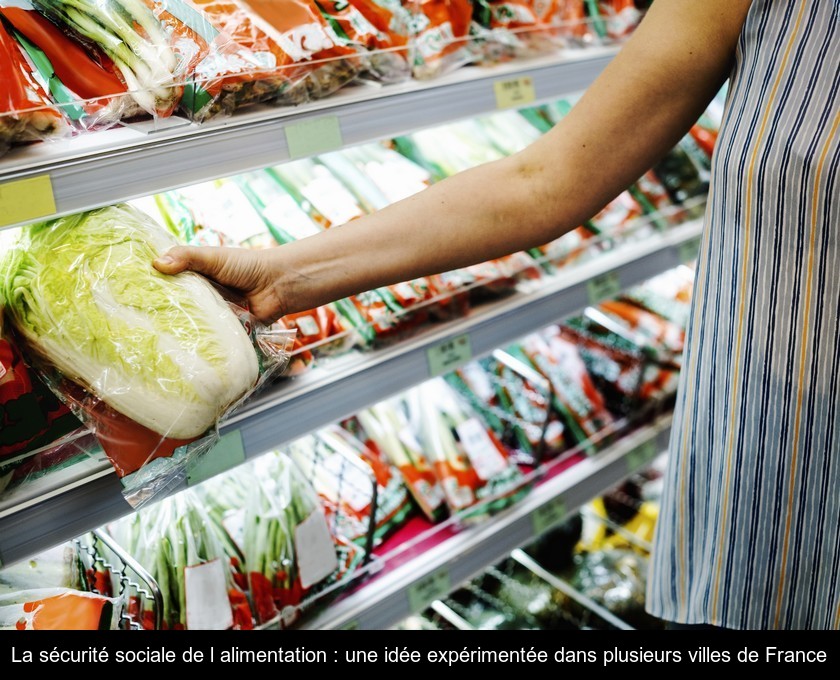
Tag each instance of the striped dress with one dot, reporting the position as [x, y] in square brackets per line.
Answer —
[749, 531]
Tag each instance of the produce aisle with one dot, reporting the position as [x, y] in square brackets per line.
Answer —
[402, 442]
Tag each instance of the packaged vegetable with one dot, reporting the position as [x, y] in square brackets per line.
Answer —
[667, 294]
[175, 541]
[473, 467]
[574, 395]
[325, 59]
[385, 428]
[515, 28]
[440, 37]
[149, 362]
[58, 609]
[354, 483]
[26, 112]
[290, 550]
[80, 79]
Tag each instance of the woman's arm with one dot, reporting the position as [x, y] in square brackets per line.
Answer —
[634, 112]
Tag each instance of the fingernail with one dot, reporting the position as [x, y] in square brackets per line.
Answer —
[165, 259]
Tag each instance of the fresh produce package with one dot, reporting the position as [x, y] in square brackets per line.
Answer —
[26, 112]
[150, 363]
[667, 294]
[474, 468]
[385, 428]
[176, 542]
[440, 32]
[290, 549]
[508, 29]
[628, 370]
[78, 79]
[58, 609]
[516, 408]
[356, 485]
[574, 394]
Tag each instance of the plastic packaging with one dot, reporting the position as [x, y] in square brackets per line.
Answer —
[176, 542]
[440, 37]
[385, 427]
[58, 609]
[471, 464]
[344, 471]
[26, 112]
[150, 363]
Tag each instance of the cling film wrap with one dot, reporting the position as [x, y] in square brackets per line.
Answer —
[177, 543]
[26, 111]
[385, 427]
[150, 363]
[355, 484]
[472, 466]
[58, 609]
[79, 79]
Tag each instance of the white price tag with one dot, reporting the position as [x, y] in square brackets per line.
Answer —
[314, 549]
[307, 325]
[234, 524]
[409, 440]
[354, 487]
[479, 381]
[287, 215]
[480, 449]
[208, 607]
[332, 200]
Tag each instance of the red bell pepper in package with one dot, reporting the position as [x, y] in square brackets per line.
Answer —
[81, 79]
[26, 112]
[328, 59]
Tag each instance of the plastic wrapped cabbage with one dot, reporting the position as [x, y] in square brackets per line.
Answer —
[151, 362]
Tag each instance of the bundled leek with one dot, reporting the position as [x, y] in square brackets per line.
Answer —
[132, 36]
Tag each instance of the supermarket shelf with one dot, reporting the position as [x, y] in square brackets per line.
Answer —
[133, 161]
[393, 595]
[341, 387]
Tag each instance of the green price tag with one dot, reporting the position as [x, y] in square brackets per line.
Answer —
[603, 287]
[429, 588]
[514, 92]
[548, 515]
[641, 456]
[26, 199]
[449, 355]
[226, 454]
[314, 136]
[350, 625]
[689, 250]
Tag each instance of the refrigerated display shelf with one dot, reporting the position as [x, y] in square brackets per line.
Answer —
[137, 160]
[56, 508]
[397, 591]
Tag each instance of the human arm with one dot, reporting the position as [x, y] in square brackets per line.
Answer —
[634, 112]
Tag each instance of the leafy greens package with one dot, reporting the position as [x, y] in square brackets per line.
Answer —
[151, 363]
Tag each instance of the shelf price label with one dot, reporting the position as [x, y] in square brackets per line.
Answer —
[352, 624]
[603, 287]
[226, 454]
[448, 355]
[548, 515]
[26, 199]
[641, 456]
[514, 92]
[431, 587]
[313, 136]
[689, 250]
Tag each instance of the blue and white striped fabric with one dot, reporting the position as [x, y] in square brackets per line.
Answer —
[749, 531]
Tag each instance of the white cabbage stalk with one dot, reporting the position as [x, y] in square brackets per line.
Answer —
[166, 351]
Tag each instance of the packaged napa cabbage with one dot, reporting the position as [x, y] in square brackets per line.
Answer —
[150, 362]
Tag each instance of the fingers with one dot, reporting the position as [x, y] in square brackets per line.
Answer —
[204, 260]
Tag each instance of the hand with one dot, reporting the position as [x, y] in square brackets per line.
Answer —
[248, 272]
